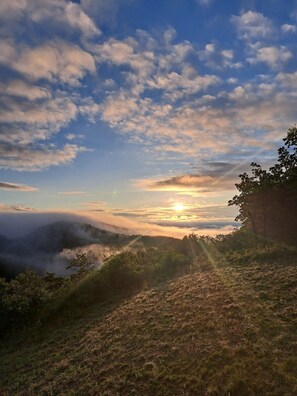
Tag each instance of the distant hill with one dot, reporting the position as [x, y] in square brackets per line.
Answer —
[40, 249]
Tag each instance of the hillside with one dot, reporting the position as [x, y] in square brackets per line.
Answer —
[231, 330]
[41, 249]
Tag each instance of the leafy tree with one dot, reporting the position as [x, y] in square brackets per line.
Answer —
[268, 199]
[81, 264]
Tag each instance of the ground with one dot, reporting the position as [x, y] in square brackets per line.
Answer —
[231, 330]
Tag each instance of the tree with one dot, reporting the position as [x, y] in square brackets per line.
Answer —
[268, 199]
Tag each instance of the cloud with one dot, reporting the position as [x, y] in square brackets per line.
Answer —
[288, 80]
[72, 136]
[287, 28]
[42, 71]
[204, 2]
[58, 14]
[274, 57]
[155, 110]
[15, 223]
[105, 12]
[94, 205]
[55, 61]
[177, 85]
[217, 58]
[155, 65]
[252, 25]
[223, 124]
[152, 89]
[21, 89]
[32, 158]
[72, 193]
[8, 209]
[187, 182]
[16, 187]
[51, 114]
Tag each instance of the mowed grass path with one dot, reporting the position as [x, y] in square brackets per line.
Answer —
[227, 331]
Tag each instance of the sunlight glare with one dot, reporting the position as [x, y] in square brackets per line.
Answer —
[178, 207]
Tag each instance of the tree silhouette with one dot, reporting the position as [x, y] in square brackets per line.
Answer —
[268, 199]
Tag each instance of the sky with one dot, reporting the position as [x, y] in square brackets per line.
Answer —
[140, 113]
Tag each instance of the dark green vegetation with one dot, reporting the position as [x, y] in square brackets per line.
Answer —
[202, 317]
[30, 298]
[268, 199]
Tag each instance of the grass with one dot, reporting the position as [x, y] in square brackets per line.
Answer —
[231, 330]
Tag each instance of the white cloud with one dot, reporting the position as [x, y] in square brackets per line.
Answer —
[55, 60]
[72, 136]
[76, 17]
[177, 85]
[217, 58]
[32, 158]
[154, 65]
[224, 124]
[32, 107]
[288, 80]
[61, 13]
[22, 89]
[287, 28]
[51, 114]
[275, 57]
[253, 25]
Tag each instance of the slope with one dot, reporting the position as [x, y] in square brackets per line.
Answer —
[227, 331]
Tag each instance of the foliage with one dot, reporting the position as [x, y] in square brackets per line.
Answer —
[21, 298]
[30, 298]
[81, 264]
[268, 199]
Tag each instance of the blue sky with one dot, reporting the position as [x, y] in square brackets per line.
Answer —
[141, 113]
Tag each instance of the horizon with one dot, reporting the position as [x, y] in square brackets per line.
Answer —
[140, 115]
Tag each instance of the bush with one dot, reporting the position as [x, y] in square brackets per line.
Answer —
[125, 271]
[21, 298]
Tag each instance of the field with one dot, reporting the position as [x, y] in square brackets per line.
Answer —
[229, 330]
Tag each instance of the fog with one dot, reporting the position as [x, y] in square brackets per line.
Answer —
[15, 225]
[50, 247]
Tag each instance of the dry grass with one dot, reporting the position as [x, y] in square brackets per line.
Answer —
[228, 331]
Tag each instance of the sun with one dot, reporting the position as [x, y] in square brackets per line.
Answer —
[178, 207]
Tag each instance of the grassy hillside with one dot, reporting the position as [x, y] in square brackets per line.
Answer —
[231, 330]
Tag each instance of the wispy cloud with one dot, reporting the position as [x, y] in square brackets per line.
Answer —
[71, 193]
[30, 158]
[6, 208]
[204, 2]
[16, 187]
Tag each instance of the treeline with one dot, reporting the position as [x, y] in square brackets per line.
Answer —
[268, 198]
